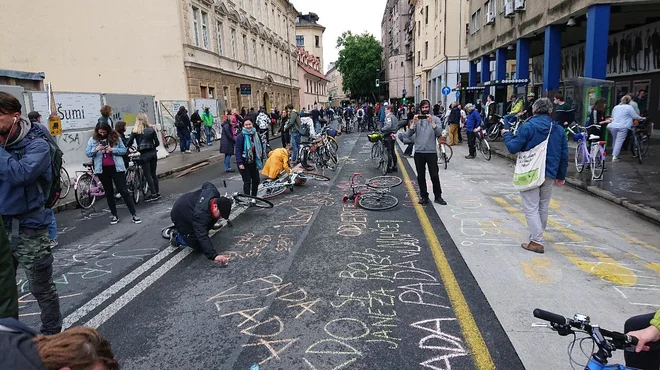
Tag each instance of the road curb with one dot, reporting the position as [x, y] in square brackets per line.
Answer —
[647, 212]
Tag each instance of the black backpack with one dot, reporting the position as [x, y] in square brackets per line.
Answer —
[53, 188]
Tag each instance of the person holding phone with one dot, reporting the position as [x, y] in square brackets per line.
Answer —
[106, 149]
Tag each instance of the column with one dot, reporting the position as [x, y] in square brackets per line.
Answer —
[598, 28]
[485, 73]
[522, 58]
[552, 58]
[473, 74]
[500, 64]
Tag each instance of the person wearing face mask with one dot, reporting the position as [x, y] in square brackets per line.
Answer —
[25, 168]
[106, 149]
[250, 157]
[426, 129]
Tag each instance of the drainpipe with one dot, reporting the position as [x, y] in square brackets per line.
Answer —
[288, 40]
[444, 52]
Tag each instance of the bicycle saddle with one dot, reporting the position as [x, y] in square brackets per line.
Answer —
[88, 164]
[594, 137]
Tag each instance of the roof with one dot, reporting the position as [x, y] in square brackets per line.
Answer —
[312, 71]
[35, 76]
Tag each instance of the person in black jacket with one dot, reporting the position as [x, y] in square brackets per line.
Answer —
[147, 142]
[120, 127]
[227, 142]
[196, 121]
[183, 129]
[193, 215]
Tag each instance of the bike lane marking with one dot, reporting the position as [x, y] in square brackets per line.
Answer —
[471, 332]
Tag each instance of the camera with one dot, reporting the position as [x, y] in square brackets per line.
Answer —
[422, 116]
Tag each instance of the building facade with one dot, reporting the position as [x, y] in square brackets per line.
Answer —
[314, 84]
[309, 35]
[398, 47]
[440, 54]
[179, 49]
[556, 43]
[335, 86]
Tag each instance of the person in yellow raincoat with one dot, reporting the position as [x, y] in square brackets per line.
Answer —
[278, 161]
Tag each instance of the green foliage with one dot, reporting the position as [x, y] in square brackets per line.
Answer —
[359, 62]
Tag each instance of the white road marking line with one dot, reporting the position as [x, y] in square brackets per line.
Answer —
[95, 302]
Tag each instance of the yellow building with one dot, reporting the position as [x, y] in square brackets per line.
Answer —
[309, 35]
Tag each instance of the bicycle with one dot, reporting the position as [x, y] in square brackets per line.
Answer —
[170, 143]
[641, 141]
[318, 153]
[379, 152]
[238, 200]
[374, 194]
[593, 157]
[271, 188]
[87, 187]
[606, 341]
[136, 181]
[495, 130]
[65, 182]
[482, 144]
[446, 152]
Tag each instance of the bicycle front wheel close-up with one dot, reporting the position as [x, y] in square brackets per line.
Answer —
[250, 201]
[579, 157]
[375, 155]
[485, 149]
[170, 144]
[83, 191]
[313, 176]
[381, 182]
[65, 183]
[377, 201]
[271, 189]
[597, 166]
[383, 161]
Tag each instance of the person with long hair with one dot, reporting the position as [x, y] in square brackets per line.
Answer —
[147, 141]
[106, 149]
[227, 140]
[597, 117]
[250, 157]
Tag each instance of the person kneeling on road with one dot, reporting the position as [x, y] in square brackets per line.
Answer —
[277, 165]
[194, 214]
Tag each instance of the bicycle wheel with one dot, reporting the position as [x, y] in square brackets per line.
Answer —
[377, 202]
[444, 160]
[166, 232]
[375, 154]
[313, 176]
[485, 149]
[133, 184]
[384, 182]
[214, 135]
[195, 144]
[248, 200]
[579, 157]
[493, 132]
[383, 160]
[65, 183]
[638, 149]
[330, 159]
[82, 191]
[332, 143]
[449, 152]
[271, 189]
[597, 166]
[170, 144]
[644, 142]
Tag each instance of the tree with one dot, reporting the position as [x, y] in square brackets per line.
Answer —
[359, 64]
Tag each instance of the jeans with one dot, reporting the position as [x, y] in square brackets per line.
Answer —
[472, 142]
[198, 133]
[110, 176]
[52, 228]
[317, 126]
[535, 203]
[642, 360]
[184, 140]
[295, 143]
[208, 135]
[507, 120]
[251, 178]
[34, 255]
[431, 160]
[619, 135]
[148, 162]
[227, 162]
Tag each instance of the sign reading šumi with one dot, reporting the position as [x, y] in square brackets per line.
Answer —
[78, 111]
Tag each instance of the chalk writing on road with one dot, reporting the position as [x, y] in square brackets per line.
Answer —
[251, 245]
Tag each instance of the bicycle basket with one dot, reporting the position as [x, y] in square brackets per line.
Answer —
[577, 137]
[375, 137]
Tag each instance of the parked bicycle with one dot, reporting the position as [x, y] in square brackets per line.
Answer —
[271, 188]
[495, 130]
[482, 144]
[640, 140]
[65, 182]
[590, 152]
[445, 152]
[136, 181]
[319, 153]
[87, 186]
[379, 151]
[374, 194]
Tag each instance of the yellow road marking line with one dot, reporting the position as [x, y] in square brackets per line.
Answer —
[635, 241]
[471, 332]
[538, 269]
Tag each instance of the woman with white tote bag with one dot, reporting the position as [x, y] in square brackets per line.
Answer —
[542, 149]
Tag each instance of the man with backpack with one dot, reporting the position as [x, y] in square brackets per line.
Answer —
[29, 184]
[263, 123]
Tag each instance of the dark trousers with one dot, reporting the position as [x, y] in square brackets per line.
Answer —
[642, 360]
[110, 176]
[472, 142]
[184, 140]
[8, 291]
[286, 138]
[431, 160]
[198, 133]
[250, 177]
[460, 134]
[148, 163]
[391, 157]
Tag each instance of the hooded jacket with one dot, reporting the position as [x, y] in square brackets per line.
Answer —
[425, 134]
[473, 120]
[22, 165]
[117, 152]
[534, 132]
[191, 215]
[207, 119]
[278, 161]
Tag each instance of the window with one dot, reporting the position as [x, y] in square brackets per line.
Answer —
[254, 51]
[419, 28]
[225, 97]
[478, 20]
[318, 41]
[426, 15]
[269, 60]
[502, 5]
[300, 40]
[204, 92]
[233, 43]
[221, 37]
[205, 30]
[195, 15]
[426, 50]
[245, 49]
[419, 58]
[211, 92]
[263, 56]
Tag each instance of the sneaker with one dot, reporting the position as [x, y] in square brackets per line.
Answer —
[533, 247]
[150, 198]
[114, 220]
[615, 159]
[53, 243]
[157, 197]
[117, 196]
[424, 201]
[136, 220]
[189, 151]
[469, 157]
[230, 170]
[173, 242]
[440, 201]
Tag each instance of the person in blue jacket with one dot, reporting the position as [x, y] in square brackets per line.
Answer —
[535, 202]
[472, 124]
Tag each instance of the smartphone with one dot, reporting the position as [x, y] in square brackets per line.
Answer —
[104, 142]
[422, 116]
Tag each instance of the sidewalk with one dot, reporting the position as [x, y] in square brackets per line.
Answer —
[627, 183]
[175, 163]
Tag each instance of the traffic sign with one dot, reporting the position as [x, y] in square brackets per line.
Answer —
[446, 90]
[404, 92]
[458, 94]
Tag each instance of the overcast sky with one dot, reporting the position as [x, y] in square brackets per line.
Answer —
[338, 16]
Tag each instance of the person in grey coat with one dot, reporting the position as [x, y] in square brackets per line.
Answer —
[390, 126]
[427, 129]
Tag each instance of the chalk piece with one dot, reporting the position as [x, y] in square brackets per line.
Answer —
[224, 182]
[254, 367]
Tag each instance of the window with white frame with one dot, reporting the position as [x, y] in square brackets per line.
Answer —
[269, 59]
[195, 17]
[300, 40]
[263, 56]
[233, 44]
[221, 37]
[245, 49]
[254, 51]
[205, 30]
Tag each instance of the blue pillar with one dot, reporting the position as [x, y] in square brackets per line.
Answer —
[598, 29]
[522, 58]
[485, 73]
[473, 75]
[500, 64]
[552, 58]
